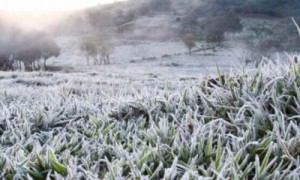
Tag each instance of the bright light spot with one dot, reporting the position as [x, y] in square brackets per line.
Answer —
[48, 5]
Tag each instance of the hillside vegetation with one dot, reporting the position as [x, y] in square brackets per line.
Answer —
[208, 20]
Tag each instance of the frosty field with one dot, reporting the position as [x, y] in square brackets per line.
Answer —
[102, 125]
[150, 89]
[165, 59]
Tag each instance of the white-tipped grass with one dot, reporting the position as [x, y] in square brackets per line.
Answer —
[297, 26]
[241, 126]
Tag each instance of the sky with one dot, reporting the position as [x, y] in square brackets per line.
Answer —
[48, 5]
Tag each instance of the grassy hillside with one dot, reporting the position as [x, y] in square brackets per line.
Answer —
[85, 126]
[209, 21]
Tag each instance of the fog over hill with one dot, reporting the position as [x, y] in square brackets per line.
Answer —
[201, 28]
[33, 20]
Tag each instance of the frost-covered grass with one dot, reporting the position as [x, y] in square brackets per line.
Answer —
[88, 126]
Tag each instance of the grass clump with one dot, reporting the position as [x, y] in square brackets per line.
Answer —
[237, 126]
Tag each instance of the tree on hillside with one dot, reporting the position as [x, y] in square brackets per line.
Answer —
[29, 57]
[19, 48]
[49, 49]
[89, 48]
[189, 41]
[10, 35]
[96, 47]
[213, 33]
[101, 19]
[106, 49]
[215, 27]
[274, 8]
[189, 24]
[6, 63]
[32, 47]
[29, 50]
[122, 17]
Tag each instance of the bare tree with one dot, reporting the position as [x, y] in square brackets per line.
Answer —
[6, 63]
[32, 48]
[106, 49]
[50, 49]
[29, 56]
[97, 48]
[89, 48]
[19, 48]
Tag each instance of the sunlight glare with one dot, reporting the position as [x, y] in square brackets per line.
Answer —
[47, 5]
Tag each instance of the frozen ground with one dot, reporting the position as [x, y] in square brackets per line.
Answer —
[136, 53]
[167, 59]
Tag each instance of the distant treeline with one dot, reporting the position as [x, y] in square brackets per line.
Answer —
[278, 8]
[211, 20]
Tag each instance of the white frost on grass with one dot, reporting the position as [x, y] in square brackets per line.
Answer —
[104, 126]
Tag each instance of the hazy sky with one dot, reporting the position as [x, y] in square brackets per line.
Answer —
[48, 5]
